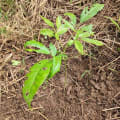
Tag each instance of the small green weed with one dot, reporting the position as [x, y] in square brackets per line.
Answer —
[114, 22]
[39, 72]
[81, 34]
[47, 68]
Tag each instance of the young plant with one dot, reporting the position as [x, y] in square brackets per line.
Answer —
[42, 70]
[47, 68]
[114, 22]
[54, 31]
[85, 32]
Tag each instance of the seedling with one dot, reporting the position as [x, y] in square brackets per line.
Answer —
[114, 22]
[85, 32]
[54, 31]
[42, 70]
[82, 34]
[47, 68]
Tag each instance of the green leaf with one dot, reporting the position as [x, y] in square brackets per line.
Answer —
[57, 36]
[70, 42]
[47, 32]
[56, 66]
[87, 28]
[79, 47]
[72, 17]
[32, 43]
[80, 34]
[69, 25]
[58, 21]
[63, 56]
[62, 29]
[15, 62]
[47, 21]
[53, 49]
[92, 41]
[114, 22]
[37, 75]
[86, 15]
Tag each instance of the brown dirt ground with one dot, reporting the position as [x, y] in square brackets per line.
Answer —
[70, 95]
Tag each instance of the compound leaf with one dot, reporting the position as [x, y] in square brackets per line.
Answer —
[92, 41]
[37, 75]
[69, 25]
[47, 32]
[55, 65]
[53, 49]
[79, 47]
[72, 17]
[62, 29]
[41, 48]
[86, 15]
[47, 21]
